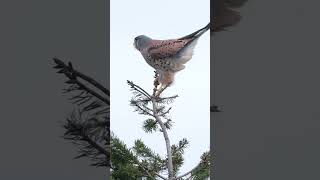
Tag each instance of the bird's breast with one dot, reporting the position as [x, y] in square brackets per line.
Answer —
[163, 64]
[158, 64]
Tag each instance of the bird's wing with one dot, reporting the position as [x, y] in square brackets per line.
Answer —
[224, 14]
[185, 53]
[171, 48]
[163, 49]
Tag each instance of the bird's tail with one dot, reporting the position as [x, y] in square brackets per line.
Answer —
[197, 33]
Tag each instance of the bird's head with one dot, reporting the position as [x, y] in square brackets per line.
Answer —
[141, 42]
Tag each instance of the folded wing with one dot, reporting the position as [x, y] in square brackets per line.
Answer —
[163, 49]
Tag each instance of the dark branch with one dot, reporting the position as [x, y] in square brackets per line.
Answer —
[73, 76]
[91, 134]
[76, 73]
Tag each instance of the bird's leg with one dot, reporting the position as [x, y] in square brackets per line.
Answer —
[157, 91]
[165, 87]
[162, 88]
[155, 83]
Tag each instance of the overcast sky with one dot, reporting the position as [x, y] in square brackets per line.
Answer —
[161, 20]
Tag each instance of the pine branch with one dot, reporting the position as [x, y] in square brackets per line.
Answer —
[174, 156]
[156, 112]
[142, 110]
[88, 127]
[149, 174]
[61, 64]
[166, 112]
[203, 165]
[74, 77]
[80, 135]
[139, 89]
[122, 156]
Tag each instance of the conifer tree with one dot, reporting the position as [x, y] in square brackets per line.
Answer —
[88, 128]
[151, 164]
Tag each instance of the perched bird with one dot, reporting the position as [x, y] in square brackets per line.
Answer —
[168, 57]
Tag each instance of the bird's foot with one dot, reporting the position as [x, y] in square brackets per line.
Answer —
[158, 92]
[156, 74]
[156, 84]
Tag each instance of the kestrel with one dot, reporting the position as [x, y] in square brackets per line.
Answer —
[168, 57]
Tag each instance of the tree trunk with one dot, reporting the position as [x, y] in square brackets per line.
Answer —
[166, 138]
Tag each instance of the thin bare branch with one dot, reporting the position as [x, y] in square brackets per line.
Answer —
[166, 112]
[143, 110]
[149, 174]
[166, 138]
[72, 74]
[187, 173]
[138, 88]
[83, 76]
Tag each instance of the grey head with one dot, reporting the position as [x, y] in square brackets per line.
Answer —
[141, 42]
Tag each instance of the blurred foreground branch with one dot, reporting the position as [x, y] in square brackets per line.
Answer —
[88, 126]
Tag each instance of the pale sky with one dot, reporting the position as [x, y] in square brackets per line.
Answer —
[190, 112]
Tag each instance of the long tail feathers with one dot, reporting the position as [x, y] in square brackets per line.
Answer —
[197, 33]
